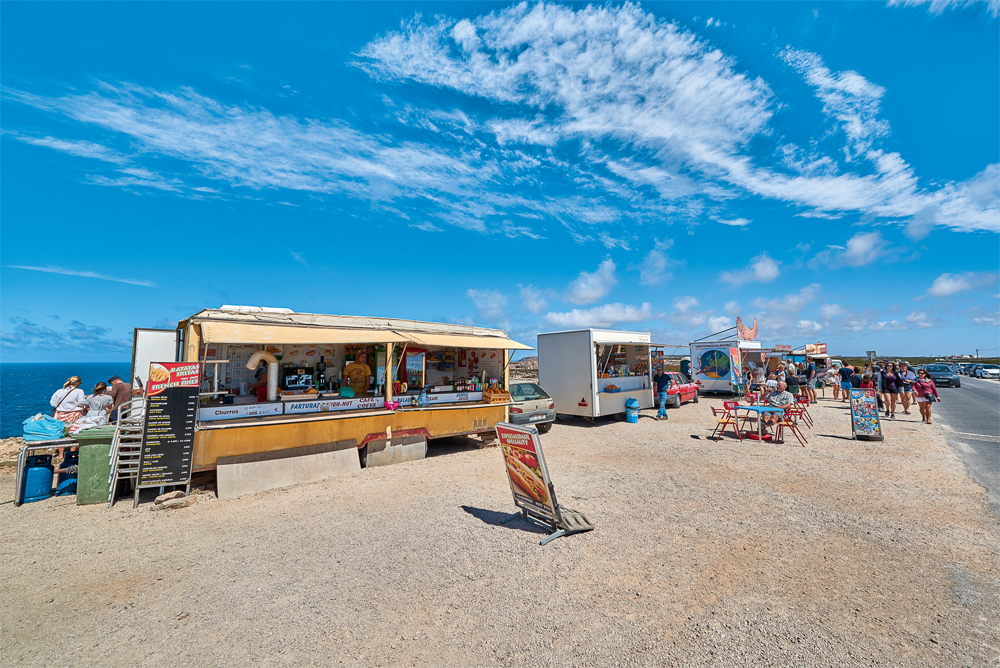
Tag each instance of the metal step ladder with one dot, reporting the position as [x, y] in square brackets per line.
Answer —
[126, 447]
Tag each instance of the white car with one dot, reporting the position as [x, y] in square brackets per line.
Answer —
[989, 371]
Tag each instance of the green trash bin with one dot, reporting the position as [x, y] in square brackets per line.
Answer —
[95, 450]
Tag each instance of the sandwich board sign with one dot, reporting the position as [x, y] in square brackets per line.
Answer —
[168, 425]
[865, 423]
[530, 484]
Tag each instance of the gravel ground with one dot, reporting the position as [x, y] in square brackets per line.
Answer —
[842, 553]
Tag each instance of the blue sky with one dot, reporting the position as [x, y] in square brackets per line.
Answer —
[830, 169]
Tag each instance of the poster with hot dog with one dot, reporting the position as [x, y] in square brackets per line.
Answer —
[526, 470]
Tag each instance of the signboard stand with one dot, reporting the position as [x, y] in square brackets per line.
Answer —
[865, 422]
[531, 486]
[168, 427]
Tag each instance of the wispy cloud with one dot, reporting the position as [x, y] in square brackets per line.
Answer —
[298, 258]
[939, 6]
[84, 274]
[491, 304]
[26, 335]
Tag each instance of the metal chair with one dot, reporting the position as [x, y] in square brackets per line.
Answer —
[790, 424]
[803, 405]
[728, 418]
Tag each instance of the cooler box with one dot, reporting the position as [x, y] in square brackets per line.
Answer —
[95, 450]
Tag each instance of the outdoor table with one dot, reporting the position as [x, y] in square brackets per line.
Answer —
[758, 410]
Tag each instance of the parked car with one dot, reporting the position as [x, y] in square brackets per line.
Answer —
[682, 389]
[942, 374]
[974, 370]
[532, 405]
[963, 367]
[989, 371]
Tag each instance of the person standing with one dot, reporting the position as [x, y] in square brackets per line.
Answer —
[906, 377]
[811, 379]
[100, 405]
[927, 393]
[890, 388]
[259, 386]
[663, 381]
[845, 372]
[792, 379]
[358, 374]
[120, 393]
[69, 403]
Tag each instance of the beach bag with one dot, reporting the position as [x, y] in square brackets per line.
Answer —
[46, 429]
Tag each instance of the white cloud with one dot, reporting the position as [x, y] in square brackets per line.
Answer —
[298, 258]
[947, 285]
[534, 299]
[847, 96]
[654, 267]
[83, 149]
[84, 274]
[736, 222]
[939, 6]
[600, 316]
[793, 303]
[919, 319]
[592, 286]
[979, 320]
[888, 326]
[492, 305]
[807, 327]
[762, 269]
[719, 323]
[830, 311]
[732, 308]
[863, 248]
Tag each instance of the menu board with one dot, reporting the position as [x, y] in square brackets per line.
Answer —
[168, 428]
[864, 415]
[526, 470]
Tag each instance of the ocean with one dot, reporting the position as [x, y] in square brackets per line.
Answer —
[25, 389]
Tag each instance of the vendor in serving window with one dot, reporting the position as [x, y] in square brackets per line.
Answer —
[358, 375]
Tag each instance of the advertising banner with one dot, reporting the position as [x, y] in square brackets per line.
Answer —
[815, 348]
[735, 366]
[526, 470]
[168, 427]
[864, 415]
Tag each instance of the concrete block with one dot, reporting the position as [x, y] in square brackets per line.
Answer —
[246, 474]
[403, 449]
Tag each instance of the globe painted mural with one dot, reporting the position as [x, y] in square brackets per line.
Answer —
[715, 364]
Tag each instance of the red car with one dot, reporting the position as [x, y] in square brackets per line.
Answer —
[682, 389]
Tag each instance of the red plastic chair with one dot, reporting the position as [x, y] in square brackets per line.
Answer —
[790, 424]
[803, 405]
[753, 398]
[721, 424]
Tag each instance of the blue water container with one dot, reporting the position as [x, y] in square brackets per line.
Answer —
[38, 478]
[66, 483]
[632, 411]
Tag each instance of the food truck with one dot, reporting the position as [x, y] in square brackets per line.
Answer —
[593, 372]
[273, 379]
[716, 366]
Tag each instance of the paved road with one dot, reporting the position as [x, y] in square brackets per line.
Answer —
[971, 416]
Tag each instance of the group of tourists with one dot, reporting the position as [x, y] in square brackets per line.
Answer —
[894, 383]
[101, 406]
[798, 378]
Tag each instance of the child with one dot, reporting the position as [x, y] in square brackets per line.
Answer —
[867, 382]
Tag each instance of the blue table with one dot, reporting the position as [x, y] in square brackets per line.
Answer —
[758, 410]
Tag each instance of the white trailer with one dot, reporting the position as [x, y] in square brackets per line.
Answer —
[716, 365]
[571, 365]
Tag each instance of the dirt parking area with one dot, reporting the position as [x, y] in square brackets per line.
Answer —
[841, 553]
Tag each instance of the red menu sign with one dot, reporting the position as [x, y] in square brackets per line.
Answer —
[168, 428]
[526, 470]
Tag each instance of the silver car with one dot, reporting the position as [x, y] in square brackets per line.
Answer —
[532, 405]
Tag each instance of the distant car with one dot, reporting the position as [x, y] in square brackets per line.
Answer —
[962, 368]
[989, 371]
[942, 374]
[532, 405]
[681, 389]
[974, 370]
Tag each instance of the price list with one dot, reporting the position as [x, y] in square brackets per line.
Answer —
[168, 434]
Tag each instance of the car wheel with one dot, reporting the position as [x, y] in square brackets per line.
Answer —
[958, 383]
[696, 396]
[544, 427]
[677, 401]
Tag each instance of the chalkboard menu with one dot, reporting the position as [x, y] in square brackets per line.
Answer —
[864, 414]
[168, 428]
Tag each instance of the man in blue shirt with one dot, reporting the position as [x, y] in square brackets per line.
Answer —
[662, 381]
[811, 378]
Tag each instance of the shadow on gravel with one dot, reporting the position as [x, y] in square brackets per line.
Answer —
[493, 518]
[842, 438]
[449, 446]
